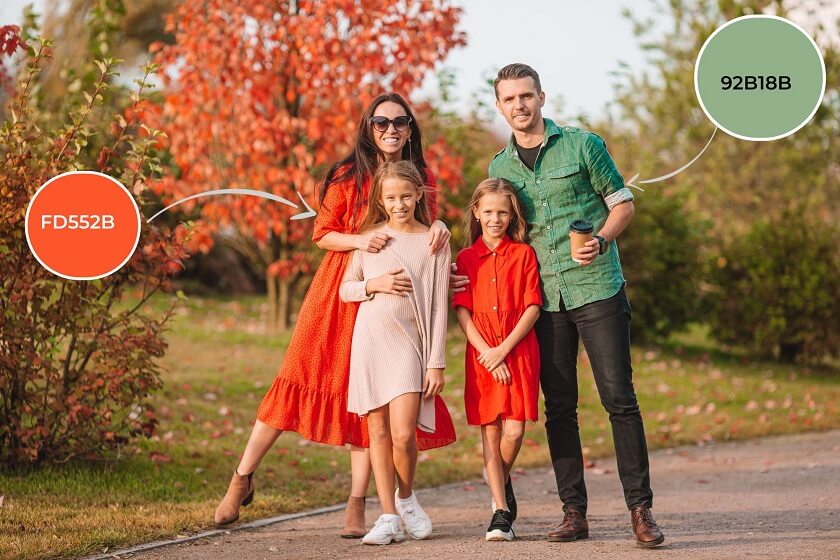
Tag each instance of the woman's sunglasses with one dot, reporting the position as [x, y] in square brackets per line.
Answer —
[381, 124]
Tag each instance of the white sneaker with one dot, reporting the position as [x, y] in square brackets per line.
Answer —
[417, 523]
[386, 530]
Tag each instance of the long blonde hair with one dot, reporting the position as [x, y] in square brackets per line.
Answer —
[517, 228]
[405, 171]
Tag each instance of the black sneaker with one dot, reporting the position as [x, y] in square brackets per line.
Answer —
[510, 499]
[501, 527]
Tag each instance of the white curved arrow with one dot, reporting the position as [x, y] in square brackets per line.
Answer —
[262, 194]
[671, 174]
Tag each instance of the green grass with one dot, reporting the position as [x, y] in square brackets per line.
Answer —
[219, 365]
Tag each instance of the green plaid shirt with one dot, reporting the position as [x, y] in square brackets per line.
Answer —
[574, 178]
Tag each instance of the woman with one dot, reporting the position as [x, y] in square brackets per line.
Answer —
[309, 394]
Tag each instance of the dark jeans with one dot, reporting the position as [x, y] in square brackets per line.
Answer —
[604, 327]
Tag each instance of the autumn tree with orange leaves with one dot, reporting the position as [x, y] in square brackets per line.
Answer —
[265, 94]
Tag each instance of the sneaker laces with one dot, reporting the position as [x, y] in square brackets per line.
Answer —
[411, 513]
[498, 517]
[382, 522]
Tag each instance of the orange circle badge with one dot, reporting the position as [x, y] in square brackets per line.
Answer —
[82, 225]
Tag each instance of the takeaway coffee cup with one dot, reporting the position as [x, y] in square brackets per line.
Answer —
[580, 231]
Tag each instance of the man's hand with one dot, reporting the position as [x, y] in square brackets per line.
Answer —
[438, 236]
[457, 283]
[433, 384]
[393, 282]
[588, 252]
[373, 241]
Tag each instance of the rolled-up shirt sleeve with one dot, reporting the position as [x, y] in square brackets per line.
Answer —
[604, 175]
[618, 197]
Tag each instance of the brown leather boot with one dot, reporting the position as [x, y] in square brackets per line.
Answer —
[354, 519]
[574, 527]
[645, 528]
[240, 492]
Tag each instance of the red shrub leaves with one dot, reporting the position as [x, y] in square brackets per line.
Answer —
[77, 364]
[264, 95]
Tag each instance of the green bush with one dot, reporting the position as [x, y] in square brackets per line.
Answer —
[776, 289]
[660, 256]
[77, 367]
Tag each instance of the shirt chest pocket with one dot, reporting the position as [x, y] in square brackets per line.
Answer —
[565, 183]
[526, 200]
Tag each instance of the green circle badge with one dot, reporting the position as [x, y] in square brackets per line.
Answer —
[759, 77]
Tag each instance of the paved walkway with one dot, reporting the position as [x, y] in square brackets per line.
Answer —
[769, 498]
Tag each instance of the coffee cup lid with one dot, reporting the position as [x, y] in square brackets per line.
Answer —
[581, 226]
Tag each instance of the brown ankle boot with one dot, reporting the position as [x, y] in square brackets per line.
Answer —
[240, 492]
[354, 519]
[645, 528]
[573, 527]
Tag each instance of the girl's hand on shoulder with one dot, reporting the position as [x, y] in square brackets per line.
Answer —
[501, 374]
[392, 282]
[373, 241]
[492, 357]
[438, 236]
[433, 384]
[457, 283]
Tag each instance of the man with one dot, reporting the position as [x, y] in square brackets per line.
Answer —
[563, 174]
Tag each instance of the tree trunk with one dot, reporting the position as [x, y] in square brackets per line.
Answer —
[284, 297]
[284, 304]
[788, 351]
[271, 289]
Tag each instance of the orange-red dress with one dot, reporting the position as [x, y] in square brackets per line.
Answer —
[503, 283]
[309, 394]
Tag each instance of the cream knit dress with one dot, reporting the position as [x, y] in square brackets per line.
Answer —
[397, 338]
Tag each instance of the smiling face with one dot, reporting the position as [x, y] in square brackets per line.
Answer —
[390, 143]
[494, 212]
[520, 103]
[399, 199]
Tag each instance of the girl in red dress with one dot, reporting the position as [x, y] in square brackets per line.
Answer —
[497, 312]
[309, 394]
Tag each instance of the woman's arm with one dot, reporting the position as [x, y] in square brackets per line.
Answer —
[438, 236]
[372, 242]
[333, 221]
[334, 241]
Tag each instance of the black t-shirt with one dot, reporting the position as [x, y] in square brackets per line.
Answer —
[528, 155]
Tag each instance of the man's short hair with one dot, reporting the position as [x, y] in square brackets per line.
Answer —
[516, 71]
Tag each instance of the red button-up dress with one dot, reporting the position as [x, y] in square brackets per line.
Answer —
[503, 283]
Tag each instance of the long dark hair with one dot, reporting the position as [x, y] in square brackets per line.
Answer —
[362, 161]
